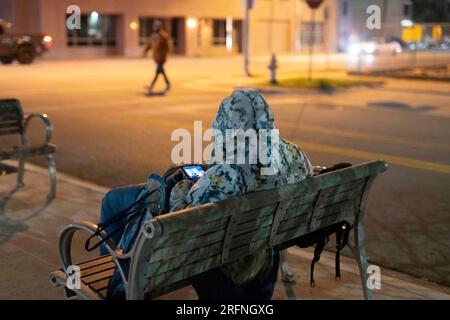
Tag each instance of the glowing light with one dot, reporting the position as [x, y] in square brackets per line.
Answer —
[92, 23]
[94, 15]
[229, 37]
[370, 58]
[406, 23]
[354, 49]
[362, 48]
[192, 23]
[47, 39]
[370, 48]
[133, 25]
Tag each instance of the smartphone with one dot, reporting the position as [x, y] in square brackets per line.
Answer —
[193, 172]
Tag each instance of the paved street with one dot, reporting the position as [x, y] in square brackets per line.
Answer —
[109, 132]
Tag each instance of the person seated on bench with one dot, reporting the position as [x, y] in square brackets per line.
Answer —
[252, 277]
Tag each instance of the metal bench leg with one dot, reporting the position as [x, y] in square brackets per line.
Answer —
[359, 251]
[286, 276]
[20, 173]
[52, 173]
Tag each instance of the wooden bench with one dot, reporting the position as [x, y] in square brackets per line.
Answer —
[173, 247]
[14, 122]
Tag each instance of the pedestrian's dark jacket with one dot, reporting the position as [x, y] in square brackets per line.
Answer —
[159, 43]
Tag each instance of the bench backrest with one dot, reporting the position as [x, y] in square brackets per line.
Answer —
[11, 117]
[173, 247]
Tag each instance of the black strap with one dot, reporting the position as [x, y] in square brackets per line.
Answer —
[342, 235]
[131, 216]
[317, 251]
[127, 212]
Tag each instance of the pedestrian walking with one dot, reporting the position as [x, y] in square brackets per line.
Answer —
[159, 44]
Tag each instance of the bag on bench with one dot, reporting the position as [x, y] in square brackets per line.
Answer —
[321, 237]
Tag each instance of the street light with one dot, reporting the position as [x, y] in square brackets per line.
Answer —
[133, 25]
[191, 23]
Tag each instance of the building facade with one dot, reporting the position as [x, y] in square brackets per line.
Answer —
[353, 15]
[196, 27]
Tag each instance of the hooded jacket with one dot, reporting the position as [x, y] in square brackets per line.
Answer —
[244, 110]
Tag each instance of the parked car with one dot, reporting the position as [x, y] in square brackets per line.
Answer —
[24, 48]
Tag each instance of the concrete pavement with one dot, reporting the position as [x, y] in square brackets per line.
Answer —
[29, 228]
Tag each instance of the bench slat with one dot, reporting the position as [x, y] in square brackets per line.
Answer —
[173, 248]
[7, 115]
[11, 117]
[189, 245]
[322, 223]
[188, 270]
[182, 273]
[93, 262]
[9, 123]
[100, 287]
[176, 239]
[162, 266]
[9, 131]
[200, 230]
[97, 269]
[91, 279]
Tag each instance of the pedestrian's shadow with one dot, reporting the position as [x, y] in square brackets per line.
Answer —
[9, 226]
[155, 94]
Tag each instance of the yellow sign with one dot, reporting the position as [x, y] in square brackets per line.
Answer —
[437, 33]
[412, 34]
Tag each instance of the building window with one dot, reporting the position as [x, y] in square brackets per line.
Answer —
[219, 32]
[345, 8]
[96, 30]
[306, 35]
[406, 10]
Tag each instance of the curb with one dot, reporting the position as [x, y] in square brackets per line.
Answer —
[62, 177]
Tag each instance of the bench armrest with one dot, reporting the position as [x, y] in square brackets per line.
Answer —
[47, 124]
[65, 242]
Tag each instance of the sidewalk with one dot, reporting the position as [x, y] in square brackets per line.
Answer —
[29, 230]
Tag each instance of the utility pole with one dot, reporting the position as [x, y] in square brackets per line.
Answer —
[248, 4]
[311, 45]
[313, 5]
